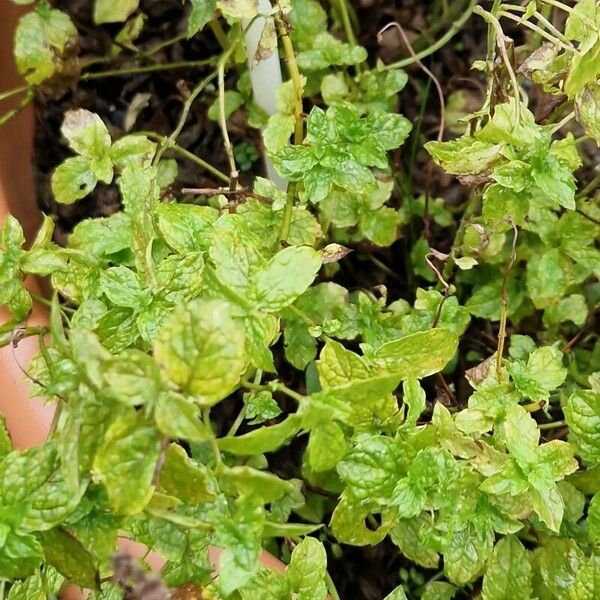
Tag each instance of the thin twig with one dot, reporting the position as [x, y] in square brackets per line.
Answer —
[452, 31]
[13, 92]
[25, 102]
[123, 72]
[588, 217]
[233, 172]
[244, 192]
[501, 43]
[440, 93]
[170, 141]
[294, 71]
[504, 301]
[539, 31]
[173, 147]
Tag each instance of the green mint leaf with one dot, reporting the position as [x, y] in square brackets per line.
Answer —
[106, 11]
[370, 468]
[67, 555]
[201, 349]
[466, 553]
[86, 133]
[413, 538]
[307, 569]
[126, 463]
[184, 478]
[508, 573]
[43, 40]
[260, 407]
[593, 519]
[439, 590]
[263, 439]
[21, 555]
[397, 594]
[34, 486]
[417, 355]
[326, 446]
[285, 277]
[202, 12]
[73, 179]
[587, 581]
[240, 536]
[178, 417]
[542, 374]
[582, 413]
[327, 51]
[132, 150]
[121, 286]
[185, 228]
[414, 398]
[556, 565]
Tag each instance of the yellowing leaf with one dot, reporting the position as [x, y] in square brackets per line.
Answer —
[417, 355]
[201, 349]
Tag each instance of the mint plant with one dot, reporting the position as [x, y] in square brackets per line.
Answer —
[223, 378]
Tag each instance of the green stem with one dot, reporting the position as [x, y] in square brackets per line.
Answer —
[174, 40]
[538, 30]
[563, 121]
[504, 305]
[553, 425]
[183, 64]
[233, 172]
[279, 387]
[569, 9]
[460, 234]
[592, 185]
[13, 112]
[213, 440]
[173, 147]
[13, 92]
[346, 22]
[218, 32]
[296, 78]
[187, 105]
[452, 31]
[331, 587]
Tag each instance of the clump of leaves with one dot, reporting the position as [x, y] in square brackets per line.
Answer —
[166, 312]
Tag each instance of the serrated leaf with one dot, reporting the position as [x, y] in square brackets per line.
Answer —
[185, 228]
[587, 581]
[201, 349]
[73, 179]
[582, 413]
[67, 555]
[508, 573]
[417, 355]
[285, 277]
[86, 133]
[184, 478]
[326, 446]
[132, 150]
[42, 42]
[466, 553]
[307, 569]
[263, 439]
[126, 462]
[178, 417]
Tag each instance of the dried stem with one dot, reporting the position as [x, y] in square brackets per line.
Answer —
[504, 301]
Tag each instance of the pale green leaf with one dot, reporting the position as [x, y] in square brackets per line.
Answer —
[201, 349]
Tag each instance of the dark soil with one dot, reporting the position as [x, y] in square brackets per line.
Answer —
[360, 573]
